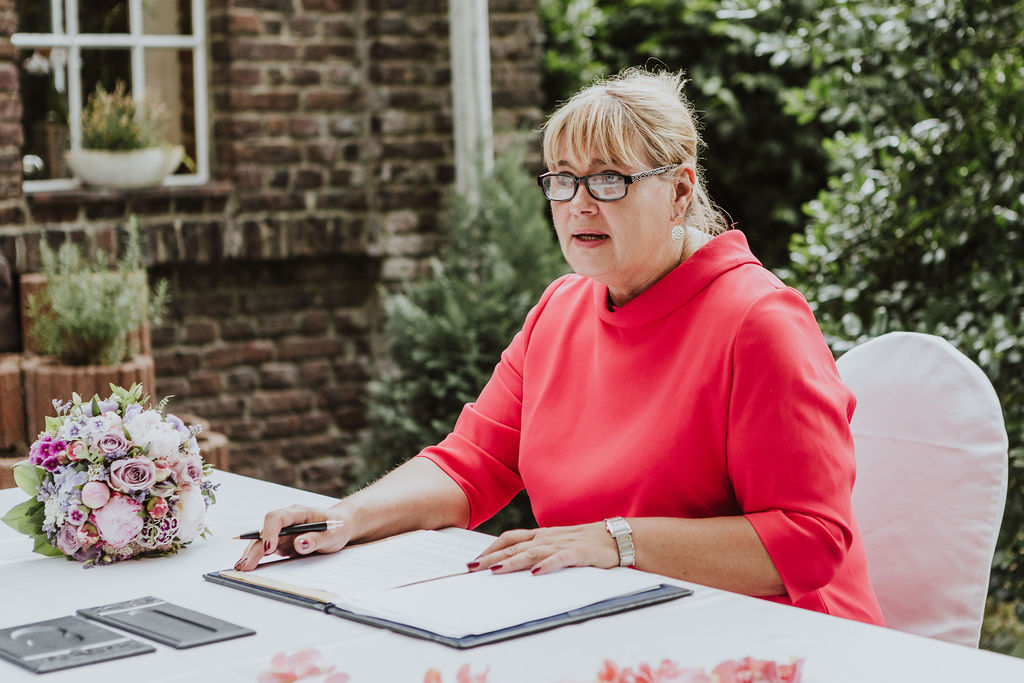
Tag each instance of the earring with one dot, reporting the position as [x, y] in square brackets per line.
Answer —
[678, 233]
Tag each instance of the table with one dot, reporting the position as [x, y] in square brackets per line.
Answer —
[698, 631]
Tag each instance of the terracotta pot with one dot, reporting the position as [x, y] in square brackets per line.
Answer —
[125, 169]
[45, 380]
[12, 417]
[7, 472]
[12, 403]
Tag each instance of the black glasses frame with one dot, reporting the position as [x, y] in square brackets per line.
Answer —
[627, 180]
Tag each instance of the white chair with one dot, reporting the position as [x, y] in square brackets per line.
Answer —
[931, 452]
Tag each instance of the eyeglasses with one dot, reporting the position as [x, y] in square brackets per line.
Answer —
[604, 187]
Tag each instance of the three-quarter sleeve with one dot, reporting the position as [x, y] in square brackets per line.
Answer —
[789, 447]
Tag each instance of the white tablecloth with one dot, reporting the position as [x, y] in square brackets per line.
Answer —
[697, 631]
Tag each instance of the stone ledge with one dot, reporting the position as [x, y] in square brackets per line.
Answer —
[84, 195]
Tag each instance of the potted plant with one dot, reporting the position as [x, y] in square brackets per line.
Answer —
[90, 320]
[121, 142]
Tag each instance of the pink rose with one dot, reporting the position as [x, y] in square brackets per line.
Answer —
[189, 470]
[88, 535]
[157, 507]
[67, 540]
[76, 451]
[95, 494]
[132, 474]
[118, 522]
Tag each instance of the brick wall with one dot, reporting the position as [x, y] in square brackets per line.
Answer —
[11, 137]
[333, 154]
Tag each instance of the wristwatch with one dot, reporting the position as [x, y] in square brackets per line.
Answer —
[623, 535]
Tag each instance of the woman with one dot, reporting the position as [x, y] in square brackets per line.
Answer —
[670, 406]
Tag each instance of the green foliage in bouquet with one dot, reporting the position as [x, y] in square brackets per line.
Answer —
[446, 333]
[115, 121]
[87, 311]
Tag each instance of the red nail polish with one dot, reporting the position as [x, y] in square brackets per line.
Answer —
[472, 565]
[495, 566]
[535, 571]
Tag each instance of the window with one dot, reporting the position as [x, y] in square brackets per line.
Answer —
[64, 48]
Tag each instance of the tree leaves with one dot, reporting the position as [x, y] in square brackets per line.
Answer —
[922, 215]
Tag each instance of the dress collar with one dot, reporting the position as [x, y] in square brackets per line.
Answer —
[723, 253]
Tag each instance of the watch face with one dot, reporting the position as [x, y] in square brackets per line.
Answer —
[618, 527]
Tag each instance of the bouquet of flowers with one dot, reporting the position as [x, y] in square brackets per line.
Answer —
[112, 480]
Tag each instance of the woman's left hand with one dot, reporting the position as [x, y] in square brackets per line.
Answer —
[549, 549]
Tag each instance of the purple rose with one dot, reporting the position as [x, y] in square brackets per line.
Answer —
[67, 540]
[112, 442]
[189, 470]
[118, 522]
[132, 474]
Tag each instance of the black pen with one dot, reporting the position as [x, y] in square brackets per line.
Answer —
[296, 529]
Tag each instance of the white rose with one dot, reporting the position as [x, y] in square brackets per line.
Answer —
[139, 424]
[163, 439]
[190, 511]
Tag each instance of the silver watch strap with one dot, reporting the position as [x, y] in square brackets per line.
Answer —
[623, 535]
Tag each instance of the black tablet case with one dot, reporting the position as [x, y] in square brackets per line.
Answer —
[165, 622]
[65, 642]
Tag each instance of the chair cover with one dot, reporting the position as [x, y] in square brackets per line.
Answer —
[931, 452]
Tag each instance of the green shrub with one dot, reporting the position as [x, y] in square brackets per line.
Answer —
[88, 309]
[761, 165]
[446, 333]
[921, 226]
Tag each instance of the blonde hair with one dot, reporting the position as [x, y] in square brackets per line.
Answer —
[638, 118]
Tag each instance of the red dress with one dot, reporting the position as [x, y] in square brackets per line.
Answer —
[711, 393]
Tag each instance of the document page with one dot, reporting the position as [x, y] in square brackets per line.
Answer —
[420, 579]
[392, 562]
[482, 602]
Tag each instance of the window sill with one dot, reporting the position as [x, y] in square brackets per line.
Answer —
[85, 195]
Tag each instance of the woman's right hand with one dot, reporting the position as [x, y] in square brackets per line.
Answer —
[270, 542]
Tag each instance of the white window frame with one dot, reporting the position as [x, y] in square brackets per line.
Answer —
[65, 36]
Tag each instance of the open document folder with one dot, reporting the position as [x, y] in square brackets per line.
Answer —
[417, 584]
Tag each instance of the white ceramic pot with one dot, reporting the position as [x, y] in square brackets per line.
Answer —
[125, 169]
